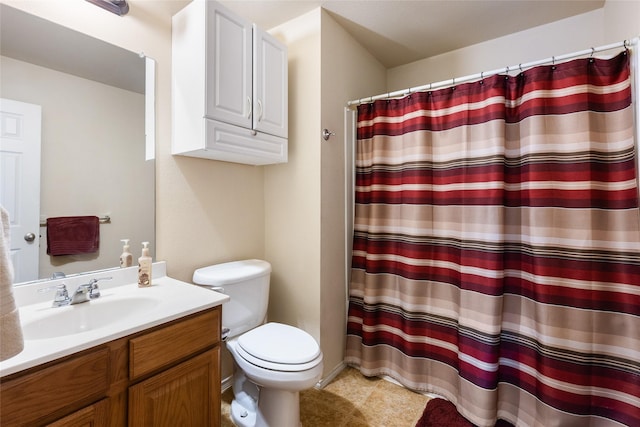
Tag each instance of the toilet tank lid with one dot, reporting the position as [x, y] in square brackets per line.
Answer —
[231, 272]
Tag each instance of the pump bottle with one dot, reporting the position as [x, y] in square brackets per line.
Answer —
[144, 267]
[126, 259]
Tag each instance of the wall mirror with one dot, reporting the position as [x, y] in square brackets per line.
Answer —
[96, 135]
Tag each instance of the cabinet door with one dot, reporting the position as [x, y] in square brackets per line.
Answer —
[185, 395]
[270, 82]
[228, 65]
[91, 416]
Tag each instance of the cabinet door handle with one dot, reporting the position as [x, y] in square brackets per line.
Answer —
[250, 107]
[259, 110]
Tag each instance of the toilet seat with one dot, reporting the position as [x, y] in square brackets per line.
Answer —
[279, 347]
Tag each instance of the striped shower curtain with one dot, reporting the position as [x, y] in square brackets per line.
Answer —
[496, 250]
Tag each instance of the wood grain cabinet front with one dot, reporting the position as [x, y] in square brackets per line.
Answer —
[95, 415]
[185, 395]
[46, 394]
[167, 375]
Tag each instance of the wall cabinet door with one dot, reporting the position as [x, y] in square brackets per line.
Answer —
[228, 63]
[185, 395]
[270, 84]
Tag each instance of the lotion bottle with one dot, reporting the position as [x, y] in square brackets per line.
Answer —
[144, 267]
[126, 259]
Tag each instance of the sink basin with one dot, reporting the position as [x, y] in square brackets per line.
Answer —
[53, 322]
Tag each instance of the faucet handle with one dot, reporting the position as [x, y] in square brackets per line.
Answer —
[94, 291]
[62, 295]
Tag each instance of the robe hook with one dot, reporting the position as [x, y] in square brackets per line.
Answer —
[326, 134]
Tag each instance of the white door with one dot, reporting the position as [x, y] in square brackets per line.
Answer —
[20, 183]
[270, 84]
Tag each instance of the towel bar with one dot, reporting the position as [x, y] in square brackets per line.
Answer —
[106, 219]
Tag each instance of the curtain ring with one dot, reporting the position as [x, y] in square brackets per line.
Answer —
[591, 59]
[553, 62]
[626, 46]
[481, 77]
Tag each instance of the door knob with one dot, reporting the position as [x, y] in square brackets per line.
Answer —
[29, 237]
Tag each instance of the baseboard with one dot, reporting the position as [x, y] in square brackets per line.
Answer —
[226, 383]
[334, 373]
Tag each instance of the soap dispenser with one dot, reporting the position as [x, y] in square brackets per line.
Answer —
[126, 259]
[144, 267]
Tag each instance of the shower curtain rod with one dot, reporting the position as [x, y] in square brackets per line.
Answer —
[519, 67]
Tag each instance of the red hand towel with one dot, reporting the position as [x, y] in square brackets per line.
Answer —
[73, 235]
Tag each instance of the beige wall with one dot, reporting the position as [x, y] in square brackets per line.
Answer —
[616, 21]
[292, 190]
[92, 159]
[348, 71]
[305, 198]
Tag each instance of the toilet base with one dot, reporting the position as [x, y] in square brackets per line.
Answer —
[241, 416]
[276, 408]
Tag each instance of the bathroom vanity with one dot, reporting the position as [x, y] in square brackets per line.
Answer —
[158, 367]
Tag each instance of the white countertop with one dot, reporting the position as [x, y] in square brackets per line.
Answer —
[166, 300]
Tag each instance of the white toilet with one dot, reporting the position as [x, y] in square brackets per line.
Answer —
[274, 362]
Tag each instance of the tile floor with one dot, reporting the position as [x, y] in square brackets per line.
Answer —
[353, 400]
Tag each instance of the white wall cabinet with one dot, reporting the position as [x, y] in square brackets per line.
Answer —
[229, 88]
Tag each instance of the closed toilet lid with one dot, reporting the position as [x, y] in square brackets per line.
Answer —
[281, 344]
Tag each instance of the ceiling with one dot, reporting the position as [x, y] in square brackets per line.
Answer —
[398, 32]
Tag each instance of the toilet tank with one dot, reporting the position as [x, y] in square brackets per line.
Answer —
[247, 285]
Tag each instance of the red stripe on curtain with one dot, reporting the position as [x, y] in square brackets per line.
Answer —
[496, 250]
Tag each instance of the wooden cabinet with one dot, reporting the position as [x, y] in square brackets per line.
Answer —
[229, 88]
[55, 390]
[92, 416]
[180, 396]
[167, 375]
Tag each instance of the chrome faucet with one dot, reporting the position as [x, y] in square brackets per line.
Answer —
[87, 292]
[83, 293]
[62, 296]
